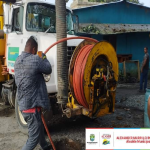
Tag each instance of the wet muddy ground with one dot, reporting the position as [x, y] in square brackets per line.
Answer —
[69, 134]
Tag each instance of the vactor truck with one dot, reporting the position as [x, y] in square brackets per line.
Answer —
[92, 65]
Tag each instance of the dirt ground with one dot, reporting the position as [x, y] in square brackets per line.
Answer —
[69, 134]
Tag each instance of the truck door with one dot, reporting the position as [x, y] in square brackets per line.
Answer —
[15, 38]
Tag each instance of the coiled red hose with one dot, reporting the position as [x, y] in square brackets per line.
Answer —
[79, 73]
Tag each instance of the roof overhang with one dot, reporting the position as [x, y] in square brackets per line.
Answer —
[105, 29]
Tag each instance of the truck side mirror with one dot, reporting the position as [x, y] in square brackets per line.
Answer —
[75, 19]
[7, 18]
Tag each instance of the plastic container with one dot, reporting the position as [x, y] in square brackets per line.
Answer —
[146, 119]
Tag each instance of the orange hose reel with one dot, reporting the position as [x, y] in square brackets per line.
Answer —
[80, 63]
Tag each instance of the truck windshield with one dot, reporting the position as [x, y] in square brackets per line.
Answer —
[42, 17]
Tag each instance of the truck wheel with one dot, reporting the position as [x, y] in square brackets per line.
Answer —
[4, 94]
[22, 123]
[11, 97]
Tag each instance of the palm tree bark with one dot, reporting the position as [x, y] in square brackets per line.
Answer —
[62, 70]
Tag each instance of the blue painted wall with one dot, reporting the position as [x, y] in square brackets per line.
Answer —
[130, 68]
[125, 13]
[121, 12]
[128, 43]
[133, 43]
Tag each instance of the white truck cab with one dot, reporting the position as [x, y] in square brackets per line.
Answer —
[38, 18]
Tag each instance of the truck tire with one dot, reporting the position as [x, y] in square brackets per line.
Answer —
[4, 94]
[11, 97]
[22, 123]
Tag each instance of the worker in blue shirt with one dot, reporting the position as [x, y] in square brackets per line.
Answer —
[31, 92]
[144, 70]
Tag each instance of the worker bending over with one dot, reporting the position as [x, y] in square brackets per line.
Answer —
[31, 92]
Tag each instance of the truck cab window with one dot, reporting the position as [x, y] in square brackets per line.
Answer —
[41, 17]
[17, 19]
[69, 22]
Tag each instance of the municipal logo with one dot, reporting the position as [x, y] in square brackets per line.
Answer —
[106, 136]
[92, 137]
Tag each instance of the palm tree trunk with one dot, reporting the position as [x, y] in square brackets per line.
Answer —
[62, 70]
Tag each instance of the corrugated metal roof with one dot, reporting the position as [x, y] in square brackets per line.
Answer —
[101, 4]
[113, 28]
[138, 4]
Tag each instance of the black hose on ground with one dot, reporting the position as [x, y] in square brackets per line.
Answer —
[62, 69]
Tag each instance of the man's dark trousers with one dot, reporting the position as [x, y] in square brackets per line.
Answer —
[35, 131]
[144, 76]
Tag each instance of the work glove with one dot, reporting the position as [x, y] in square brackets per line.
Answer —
[43, 56]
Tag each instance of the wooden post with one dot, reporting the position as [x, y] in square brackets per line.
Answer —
[138, 66]
[124, 68]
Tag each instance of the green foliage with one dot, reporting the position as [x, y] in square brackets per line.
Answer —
[103, 1]
[108, 1]
[134, 1]
[91, 28]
